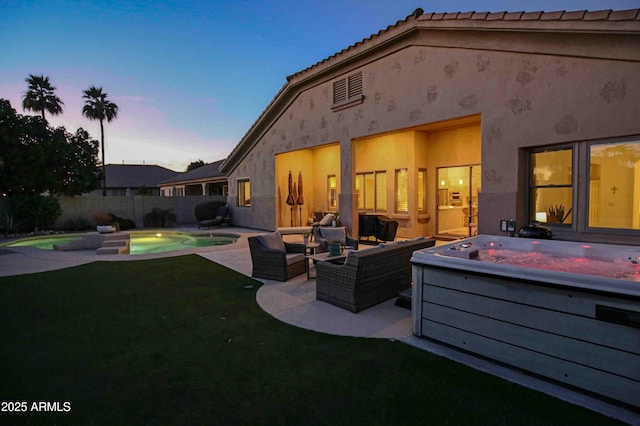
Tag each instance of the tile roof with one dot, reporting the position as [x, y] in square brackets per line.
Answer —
[510, 17]
[136, 175]
[208, 171]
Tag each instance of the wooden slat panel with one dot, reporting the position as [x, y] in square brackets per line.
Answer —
[617, 362]
[551, 298]
[600, 382]
[578, 327]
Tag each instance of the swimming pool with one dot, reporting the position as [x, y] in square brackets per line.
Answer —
[141, 242]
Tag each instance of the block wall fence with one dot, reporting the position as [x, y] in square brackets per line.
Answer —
[133, 207]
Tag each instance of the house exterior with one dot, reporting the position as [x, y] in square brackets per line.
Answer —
[451, 123]
[132, 179]
[205, 180]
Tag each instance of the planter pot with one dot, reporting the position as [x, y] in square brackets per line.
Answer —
[105, 229]
[305, 240]
[335, 249]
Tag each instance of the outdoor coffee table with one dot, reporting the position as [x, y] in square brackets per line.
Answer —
[323, 257]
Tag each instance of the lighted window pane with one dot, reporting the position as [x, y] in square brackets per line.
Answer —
[369, 191]
[360, 190]
[381, 191]
[551, 186]
[614, 185]
[333, 191]
[244, 193]
[402, 191]
[422, 190]
[551, 167]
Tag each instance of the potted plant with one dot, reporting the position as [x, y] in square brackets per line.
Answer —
[305, 238]
[104, 222]
[336, 222]
[556, 214]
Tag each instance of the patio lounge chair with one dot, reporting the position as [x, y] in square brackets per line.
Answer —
[275, 259]
[324, 235]
[222, 217]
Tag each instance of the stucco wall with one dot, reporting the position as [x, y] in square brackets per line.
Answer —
[524, 100]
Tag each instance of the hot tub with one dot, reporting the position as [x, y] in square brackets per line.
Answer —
[563, 310]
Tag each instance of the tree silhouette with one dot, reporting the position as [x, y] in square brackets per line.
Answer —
[98, 107]
[40, 96]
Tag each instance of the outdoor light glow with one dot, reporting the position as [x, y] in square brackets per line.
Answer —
[158, 235]
[585, 246]
[460, 181]
[443, 182]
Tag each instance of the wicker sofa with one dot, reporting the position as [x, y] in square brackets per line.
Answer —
[275, 259]
[368, 277]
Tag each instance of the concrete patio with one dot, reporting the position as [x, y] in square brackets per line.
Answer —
[294, 302]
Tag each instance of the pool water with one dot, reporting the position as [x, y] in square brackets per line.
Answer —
[142, 242]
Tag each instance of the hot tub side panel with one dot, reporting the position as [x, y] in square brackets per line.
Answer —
[546, 330]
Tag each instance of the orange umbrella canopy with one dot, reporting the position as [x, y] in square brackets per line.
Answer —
[300, 196]
[291, 198]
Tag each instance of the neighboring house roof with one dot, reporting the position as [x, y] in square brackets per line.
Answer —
[136, 175]
[208, 172]
[602, 21]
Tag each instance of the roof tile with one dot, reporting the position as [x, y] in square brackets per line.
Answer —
[551, 16]
[494, 16]
[597, 15]
[574, 16]
[437, 16]
[531, 16]
[480, 15]
[623, 15]
[465, 15]
[448, 16]
[513, 16]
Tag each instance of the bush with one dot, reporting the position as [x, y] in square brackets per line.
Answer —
[207, 210]
[36, 211]
[160, 218]
[123, 224]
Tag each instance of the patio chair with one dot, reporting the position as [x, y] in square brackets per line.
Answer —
[222, 217]
[323, 235]
[275, 259]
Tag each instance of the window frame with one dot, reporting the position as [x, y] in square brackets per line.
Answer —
[241, 184]
[573, 185]
[362, 193]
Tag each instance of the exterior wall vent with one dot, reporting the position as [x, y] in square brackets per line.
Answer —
[347, 91]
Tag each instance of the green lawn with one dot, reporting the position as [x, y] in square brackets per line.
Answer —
[182, 341]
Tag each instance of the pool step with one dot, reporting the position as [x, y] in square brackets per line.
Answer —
[115, 243]
[113, 246]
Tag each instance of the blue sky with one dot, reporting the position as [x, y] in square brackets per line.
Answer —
[190, 77]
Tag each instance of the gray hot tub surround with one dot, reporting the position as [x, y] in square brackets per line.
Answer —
[578, 329]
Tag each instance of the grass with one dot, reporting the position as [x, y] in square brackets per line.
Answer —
[182, 341]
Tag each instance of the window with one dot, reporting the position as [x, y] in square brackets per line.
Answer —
[372, 191]
[550, 186]
[614, 185]
[422, 191]
[244, 193]
[402, 191]
[332, 184]
[348, 91]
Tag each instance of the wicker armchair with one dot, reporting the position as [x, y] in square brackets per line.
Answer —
[275, 259]
[323, 236]
[370, 276]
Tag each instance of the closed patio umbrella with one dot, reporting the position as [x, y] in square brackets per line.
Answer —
[291, 198]
[300, 196]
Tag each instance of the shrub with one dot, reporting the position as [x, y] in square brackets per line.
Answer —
[207, 209]
[36, 211]
[122, 223]
[160, 218]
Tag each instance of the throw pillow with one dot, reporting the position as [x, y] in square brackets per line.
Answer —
[272, 241]
[334, 234]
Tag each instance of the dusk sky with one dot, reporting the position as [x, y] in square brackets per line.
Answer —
[191, 77]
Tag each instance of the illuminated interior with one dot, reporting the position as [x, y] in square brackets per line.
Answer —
[394, 175]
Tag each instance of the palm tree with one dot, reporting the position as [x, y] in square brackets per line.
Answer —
[97, 107]
[39, 96]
